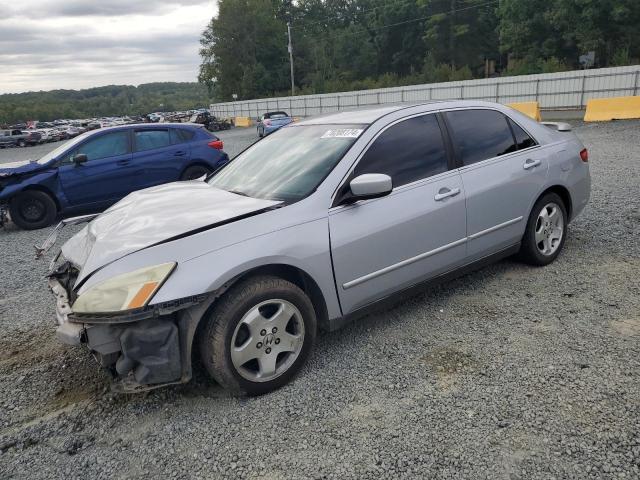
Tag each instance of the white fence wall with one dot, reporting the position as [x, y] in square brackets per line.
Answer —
[554, 91]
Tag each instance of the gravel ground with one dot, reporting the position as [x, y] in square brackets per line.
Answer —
[510, 372]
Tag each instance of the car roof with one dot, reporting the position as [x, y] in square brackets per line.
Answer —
[367, 116]
[151, 125]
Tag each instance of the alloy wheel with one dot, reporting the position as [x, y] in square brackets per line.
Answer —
[267, 340]
[549, 229]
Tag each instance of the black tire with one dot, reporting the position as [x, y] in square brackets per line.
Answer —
[223, 320]
[260, 133]
[195, 171]
[22, 143]
[32, 209]
[530, 251]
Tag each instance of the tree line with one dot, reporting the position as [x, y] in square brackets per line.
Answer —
[341, 45]
[113, 100]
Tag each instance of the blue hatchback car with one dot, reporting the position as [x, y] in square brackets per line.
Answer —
[98, 168]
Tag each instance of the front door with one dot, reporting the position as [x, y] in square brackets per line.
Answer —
[502, 171]
[106, 176]
[418, 231]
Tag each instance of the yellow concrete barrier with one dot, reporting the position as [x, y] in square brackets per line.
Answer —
[617, 108]
[532, 109]
[242, 122]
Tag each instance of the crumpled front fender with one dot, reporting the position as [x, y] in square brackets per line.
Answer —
[16, 183]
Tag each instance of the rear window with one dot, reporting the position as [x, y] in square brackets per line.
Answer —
[523, 140]
[275, 115]
[181, 135]
[151, 139]
[480, 134]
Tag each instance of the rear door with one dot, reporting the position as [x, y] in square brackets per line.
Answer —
[416, 232]
[105, 177]
[159, 156]
[502, 170]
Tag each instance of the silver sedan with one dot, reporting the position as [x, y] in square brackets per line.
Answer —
[307, 229]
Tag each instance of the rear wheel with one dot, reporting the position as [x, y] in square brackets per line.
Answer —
[22, 143]
[258, 336]
[194, 172]
[32, 209]
[546, 231]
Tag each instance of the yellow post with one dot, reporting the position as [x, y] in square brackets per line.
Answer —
[243, 122]
[531, 109]
[617, 108]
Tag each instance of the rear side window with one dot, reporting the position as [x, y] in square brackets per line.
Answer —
[180, 135]
[151, 139]
[523, 140]
[480, 134]
[407, 151]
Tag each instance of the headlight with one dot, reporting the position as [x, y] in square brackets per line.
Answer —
[124, 292]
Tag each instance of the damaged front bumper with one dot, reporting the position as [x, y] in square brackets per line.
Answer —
[143, 349]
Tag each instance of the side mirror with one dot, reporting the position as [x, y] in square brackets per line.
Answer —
[370, 185]
[80, 158]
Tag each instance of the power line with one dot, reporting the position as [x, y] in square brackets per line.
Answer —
[405, 22]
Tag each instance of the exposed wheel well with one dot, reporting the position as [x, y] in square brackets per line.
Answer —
[299, 278]
[564, 194]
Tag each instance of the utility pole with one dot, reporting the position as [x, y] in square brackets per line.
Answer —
[290, 48]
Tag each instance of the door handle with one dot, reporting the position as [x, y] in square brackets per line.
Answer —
[446, 193]
[529, 163]
[180, 154]
[123, 162]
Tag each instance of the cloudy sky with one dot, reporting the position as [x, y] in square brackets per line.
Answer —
[49, 44]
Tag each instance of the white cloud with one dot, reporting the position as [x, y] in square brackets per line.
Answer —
[71, 44]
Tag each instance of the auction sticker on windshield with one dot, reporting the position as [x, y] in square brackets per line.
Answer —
[342, 133]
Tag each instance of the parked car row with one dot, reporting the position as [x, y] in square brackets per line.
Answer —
[308, 228]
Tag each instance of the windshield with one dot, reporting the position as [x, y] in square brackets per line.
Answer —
[289, 164]
[62, 148]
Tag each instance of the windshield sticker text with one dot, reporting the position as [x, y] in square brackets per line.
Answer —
[343, 133]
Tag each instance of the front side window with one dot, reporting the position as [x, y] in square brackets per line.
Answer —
[289, 164]
[407, 151]
[480, 134]
[151, 139]
[104, 146]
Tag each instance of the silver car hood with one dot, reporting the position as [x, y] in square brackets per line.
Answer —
[151, 216]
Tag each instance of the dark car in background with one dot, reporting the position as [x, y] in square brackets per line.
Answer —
[98, 168]
[272, 121]
[18, 138]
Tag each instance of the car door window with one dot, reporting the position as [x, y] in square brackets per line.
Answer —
[407, 151]
[180, 135]
[104, 146]
[523, 140]
[151, 139]
[480, 134]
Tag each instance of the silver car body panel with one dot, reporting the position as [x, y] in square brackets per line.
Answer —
[149, 216]
[376, 247]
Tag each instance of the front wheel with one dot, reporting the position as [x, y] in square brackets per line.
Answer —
[258, 336]
[546, 231]
[32, 209]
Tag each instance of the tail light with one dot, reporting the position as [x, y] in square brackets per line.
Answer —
[217, 144]
[584, 155]
[267, 123]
